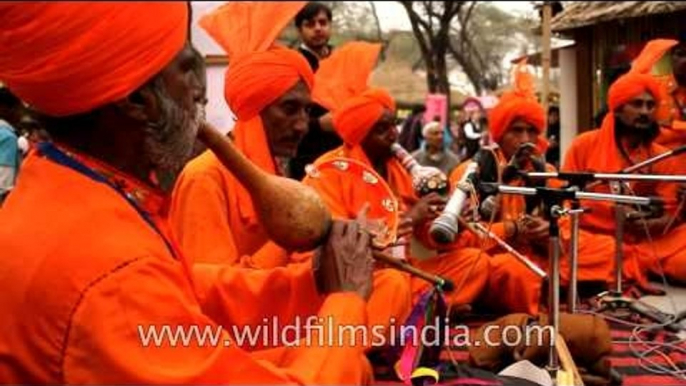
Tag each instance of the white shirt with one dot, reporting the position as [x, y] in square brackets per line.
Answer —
[470, 131]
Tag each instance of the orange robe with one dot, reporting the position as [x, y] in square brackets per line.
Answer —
[512, 285]
[461, 266]
[214, 218]
[670, 114]
[79, 286]
[591, 152]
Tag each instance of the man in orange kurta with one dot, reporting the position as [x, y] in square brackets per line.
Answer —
[88, 264]
[626, 137]
[366, 125]
[516, 120]
[268, 88]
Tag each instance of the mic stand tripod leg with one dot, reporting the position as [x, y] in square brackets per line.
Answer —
[612, 302]
[619, 247]
[574, 258]
[554, 285]
[614, 299]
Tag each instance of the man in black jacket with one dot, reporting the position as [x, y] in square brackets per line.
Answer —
[314, 27]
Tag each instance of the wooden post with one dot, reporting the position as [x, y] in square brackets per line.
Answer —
[545, 55]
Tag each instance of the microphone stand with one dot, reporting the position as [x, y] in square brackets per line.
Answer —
[615, 299]
[620, 216]
[553, 202]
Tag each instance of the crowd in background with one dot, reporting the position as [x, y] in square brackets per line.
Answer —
[447, 147]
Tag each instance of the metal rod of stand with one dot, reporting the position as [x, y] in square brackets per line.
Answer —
[574, 258]
[645, 163]
[630, 200]
[619, 237]
[554, 286]
[616, 177]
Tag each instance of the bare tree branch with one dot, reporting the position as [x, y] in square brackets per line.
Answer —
[429, 10]
[413, 15]
[454, 10]
[470, 70]
[416, 22]
[379, 34]
[464, 22]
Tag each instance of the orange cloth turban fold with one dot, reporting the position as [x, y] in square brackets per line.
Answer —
[259, 72]
[345, 74]
[651, 53]
[342, 87]
[359, 114]
[67, 58]
[519, 103]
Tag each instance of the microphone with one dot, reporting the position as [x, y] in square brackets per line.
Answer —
[444, 227]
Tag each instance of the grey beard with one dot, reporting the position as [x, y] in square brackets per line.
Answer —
[169, 141]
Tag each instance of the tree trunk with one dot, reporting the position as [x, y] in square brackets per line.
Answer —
[424, 45]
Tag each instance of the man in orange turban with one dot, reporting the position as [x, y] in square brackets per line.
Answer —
[516, 121]
[366, 123]
[268, 88]
[98, 293]
[652, 244]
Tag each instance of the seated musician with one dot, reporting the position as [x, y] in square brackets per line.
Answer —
[654, 240]
[517, 123]
[366, 122]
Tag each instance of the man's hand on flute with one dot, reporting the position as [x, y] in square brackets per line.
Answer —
[345, 262]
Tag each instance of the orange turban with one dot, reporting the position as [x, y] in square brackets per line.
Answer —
[259, 72]
[638, 80]
[519, 103]
[359, 114]
[67, 58]
[342, 88]
[631, 85]
[344, 74]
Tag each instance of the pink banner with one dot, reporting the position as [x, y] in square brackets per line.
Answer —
[436, 107]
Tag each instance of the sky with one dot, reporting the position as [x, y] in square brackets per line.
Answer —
[392, 15]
